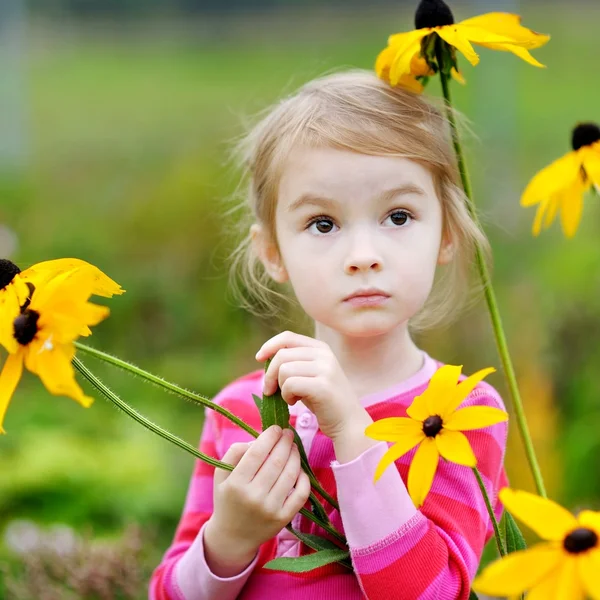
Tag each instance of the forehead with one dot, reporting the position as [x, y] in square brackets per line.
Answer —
[339, 174]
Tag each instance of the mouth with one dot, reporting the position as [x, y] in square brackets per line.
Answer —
[369, 293]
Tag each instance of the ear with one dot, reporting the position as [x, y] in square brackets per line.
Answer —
[267, 252]
[446, 253]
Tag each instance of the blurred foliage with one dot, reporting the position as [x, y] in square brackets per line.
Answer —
[129, 138]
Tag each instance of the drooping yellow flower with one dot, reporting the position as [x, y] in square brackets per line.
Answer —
[562, 184]
[565, 566]
[435, 425]
[16, 286]
[54, 316]
[436, 31]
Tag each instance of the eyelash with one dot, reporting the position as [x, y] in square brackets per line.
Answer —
[318, 218]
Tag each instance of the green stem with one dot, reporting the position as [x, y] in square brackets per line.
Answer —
[167, 435]
[193, 397]
[490, 295]
[499, 540]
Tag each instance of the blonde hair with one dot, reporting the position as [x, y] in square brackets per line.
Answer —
[353, 111]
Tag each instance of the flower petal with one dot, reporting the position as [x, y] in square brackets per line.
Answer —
[589, 571]
[9, 311]
[394, 429]
[571, 207]
[508, 25]
[546, 589]
[453, 35]
[519, 571]
[42, 272]
[57, 374]
[454, 446]
[547, 518]
[591, 162]
[422, 471]
[475, 417]
[557, 176]
[9, 378]
[517, 51]
[461, 391]
[590, 519]
[394, 453]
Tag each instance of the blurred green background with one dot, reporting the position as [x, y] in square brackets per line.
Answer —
[115, 129]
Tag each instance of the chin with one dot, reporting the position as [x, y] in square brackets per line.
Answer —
[367, 326]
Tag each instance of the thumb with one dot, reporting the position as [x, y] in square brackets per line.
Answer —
[232, 456]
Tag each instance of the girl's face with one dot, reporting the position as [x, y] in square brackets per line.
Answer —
[347, 222]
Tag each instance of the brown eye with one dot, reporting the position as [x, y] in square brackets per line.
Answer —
[323, 225]
[399, 217]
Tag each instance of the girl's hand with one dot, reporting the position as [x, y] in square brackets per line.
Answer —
[306, 369]
[256, 500]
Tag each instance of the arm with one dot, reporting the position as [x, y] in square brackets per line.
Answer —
[191, 569]
[431, 553]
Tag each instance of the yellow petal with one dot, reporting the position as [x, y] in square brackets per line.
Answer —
[455, 37]
[547, 518]
[547, 587]
[591, 162]
[508, 25]
[9, 311]
[571, 207]
[552, 209]
[57, 374]
[460, 392]
[517, 51]
[41, 273]
[442, 384]
[542, 210]
[9, 378]
[454, 446]
[590, 519]
[475, 417]
[589, 571]
[422, 471]
[458, 76]
[400, 66]
[394, 453]
[568, 584]
[404, 47]
[519, 571]
[394, 429]
[410, 83]
[384, 61]
[557, 176]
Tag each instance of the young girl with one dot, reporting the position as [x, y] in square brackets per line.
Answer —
[355, 206]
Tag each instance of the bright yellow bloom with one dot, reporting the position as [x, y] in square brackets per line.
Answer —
[565, 566]
[53, 317]
[562, 184]
[435, 425]
[16, 286]
[435, 27]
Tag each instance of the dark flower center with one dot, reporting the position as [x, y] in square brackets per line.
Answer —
[585, 134]
[432, 425]
[433, 13]
[25, 326]
[580, 540]
[8, 270]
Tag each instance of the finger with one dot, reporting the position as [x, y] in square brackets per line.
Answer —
[275, 463]
[287, 339]
[253, 459]
[297, 499]
[300, 388]
[283, 356]
[286, 481]
[232, 457]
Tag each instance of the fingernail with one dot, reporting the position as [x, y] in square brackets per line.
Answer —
[277, 429]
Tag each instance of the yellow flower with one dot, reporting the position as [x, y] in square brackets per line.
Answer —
[562, 184]
[436, 30]
[54, 316]
[16, 286]
[435, 425]
[566, 565]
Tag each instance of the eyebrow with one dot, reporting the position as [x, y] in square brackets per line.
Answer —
[315, 199]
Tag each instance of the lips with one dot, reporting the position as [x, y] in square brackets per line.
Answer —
[368, 292]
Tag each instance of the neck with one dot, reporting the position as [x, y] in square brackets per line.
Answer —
[373, 363]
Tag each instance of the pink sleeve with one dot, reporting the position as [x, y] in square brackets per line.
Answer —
[183, 573]
[403, 553]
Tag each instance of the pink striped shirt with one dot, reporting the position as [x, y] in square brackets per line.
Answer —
[397, 551]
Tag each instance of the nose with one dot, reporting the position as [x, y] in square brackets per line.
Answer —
[362, 254]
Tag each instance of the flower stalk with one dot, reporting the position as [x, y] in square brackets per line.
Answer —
[490, 295]
[131, 412]
[499, 540]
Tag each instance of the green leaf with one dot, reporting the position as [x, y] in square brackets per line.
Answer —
[302, 564]
[514, 538]
[258, 402]
[473, 596]
[274, 409]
